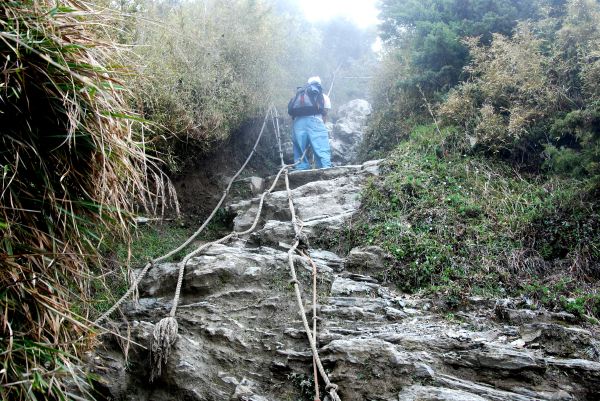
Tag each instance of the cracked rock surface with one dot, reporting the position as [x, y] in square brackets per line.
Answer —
[241, 336]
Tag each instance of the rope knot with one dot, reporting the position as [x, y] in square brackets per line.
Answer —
[331, 386]
[163, 338]
[302, 240]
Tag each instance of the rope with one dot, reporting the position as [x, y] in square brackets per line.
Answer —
[330, 387]
[277, 133]
[165, 331]
[223, 239]
[333, 78]
[302, 240]
[314, 309]
[150, 264]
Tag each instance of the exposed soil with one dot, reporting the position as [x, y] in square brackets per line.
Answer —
[205, 178]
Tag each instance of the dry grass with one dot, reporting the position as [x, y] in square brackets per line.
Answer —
[71, 168]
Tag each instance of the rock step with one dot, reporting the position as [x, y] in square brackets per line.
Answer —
[241, 337]
[299, 178]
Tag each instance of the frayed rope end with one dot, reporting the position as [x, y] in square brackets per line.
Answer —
[165, 335]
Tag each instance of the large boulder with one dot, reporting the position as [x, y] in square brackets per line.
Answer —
[347, 133]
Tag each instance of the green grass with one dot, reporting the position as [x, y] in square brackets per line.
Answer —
[458, 224]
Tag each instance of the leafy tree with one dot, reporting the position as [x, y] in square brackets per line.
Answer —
[425, 40]
[433, 29]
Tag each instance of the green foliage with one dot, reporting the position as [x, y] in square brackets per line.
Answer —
[579, 134]
[304, 384]
[458, 224]
[536, 90]
[510, 93]
[396, 109]
[203, 70]
[432, 30]
[565, 294]
[425, 54]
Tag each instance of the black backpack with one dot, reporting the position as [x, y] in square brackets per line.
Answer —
[309, 101]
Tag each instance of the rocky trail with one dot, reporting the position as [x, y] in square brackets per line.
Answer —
[241, 336]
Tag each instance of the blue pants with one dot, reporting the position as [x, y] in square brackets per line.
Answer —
[311, 131]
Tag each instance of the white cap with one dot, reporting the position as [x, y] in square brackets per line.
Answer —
[315, 79]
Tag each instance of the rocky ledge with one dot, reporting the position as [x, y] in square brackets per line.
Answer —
[241, 336]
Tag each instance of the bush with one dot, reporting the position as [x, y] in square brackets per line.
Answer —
[536, 91]
[510, 94]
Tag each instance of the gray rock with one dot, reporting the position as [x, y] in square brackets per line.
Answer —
[257, 185]
[430, 393]
[348, 131]
[370, 260]
[346, 286]
[241, 335]
[499, 358]
[486, 391]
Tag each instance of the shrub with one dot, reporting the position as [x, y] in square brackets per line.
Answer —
[536, 91]
[510, 93]
[203, 69]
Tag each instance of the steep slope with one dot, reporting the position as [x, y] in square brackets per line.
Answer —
[241, 337]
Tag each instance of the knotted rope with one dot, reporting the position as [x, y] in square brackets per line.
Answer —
[314, 310]
[301, 241]
[165, 331]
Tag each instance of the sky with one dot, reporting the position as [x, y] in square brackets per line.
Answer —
[362, 12]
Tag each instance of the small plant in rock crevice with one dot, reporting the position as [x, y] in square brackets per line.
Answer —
[305, 385]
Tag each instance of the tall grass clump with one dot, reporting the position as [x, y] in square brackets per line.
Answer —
[70, 168]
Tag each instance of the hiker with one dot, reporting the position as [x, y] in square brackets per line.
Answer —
[308, 109]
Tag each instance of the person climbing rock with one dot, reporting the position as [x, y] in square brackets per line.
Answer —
[309, 108]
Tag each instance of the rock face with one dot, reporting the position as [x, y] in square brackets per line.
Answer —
[241, 336]
[347, 133]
